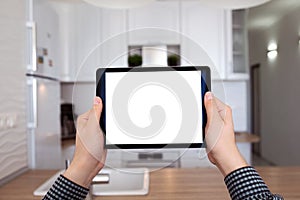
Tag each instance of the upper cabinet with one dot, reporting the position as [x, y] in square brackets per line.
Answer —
[204, 37]
[164, 16]
[215, 37]
[114, 37]
[239, 67]
[93, 37]
[86, 35]
[80, 33]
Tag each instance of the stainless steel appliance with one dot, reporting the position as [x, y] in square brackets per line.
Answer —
[43, 88]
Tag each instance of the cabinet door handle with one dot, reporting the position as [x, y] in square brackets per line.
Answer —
[32, 46]
[32, 97]
[144, 156]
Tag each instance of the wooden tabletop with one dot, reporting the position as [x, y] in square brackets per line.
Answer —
[200, 183]
[244, 137]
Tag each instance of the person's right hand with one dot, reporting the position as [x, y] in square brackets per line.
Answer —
[219, 136]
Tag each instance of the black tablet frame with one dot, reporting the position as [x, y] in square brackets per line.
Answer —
[100, 91]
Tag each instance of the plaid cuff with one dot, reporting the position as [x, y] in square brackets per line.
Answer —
[64, 188]
[245, 184]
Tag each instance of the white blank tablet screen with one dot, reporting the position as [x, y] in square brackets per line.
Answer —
[145, 96]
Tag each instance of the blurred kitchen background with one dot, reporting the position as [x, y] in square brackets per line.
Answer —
[45, 83]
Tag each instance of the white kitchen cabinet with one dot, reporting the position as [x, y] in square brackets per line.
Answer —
[178, 158]
[238, 67]
[64, 26]
[217, 38]
[162, 15]
[94, 38]
[86, 35]
[114, 37]
[192, 158]
[151, 159]
[113, 158]
[204, 37]
[80, 33]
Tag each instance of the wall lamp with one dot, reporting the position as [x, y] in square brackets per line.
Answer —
[272, 51]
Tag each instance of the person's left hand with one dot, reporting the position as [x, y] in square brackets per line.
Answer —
[90, 154]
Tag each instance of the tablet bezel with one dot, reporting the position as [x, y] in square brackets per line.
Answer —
[100, 91]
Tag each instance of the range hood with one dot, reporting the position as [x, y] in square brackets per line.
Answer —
[155, 56]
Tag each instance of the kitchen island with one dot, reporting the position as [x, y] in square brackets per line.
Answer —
[171, 183]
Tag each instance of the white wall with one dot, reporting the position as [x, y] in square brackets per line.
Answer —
[13, 140]
[280, 89]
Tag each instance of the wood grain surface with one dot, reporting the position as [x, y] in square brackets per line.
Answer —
[200, 183]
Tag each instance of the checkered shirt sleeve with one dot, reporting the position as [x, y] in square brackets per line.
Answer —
[64, 188]
[246, 184]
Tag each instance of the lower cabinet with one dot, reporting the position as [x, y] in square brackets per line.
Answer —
[113, 159]
[175, 158]
[151, 159]
[192, 158]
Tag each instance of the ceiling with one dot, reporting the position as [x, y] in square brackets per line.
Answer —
[263, 16]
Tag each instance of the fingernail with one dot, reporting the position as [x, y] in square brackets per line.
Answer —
[209, 96]
[97, 100]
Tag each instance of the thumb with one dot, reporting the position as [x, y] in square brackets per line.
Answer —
[208, 102]
[98, 107]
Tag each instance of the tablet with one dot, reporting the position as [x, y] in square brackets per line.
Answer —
[153, 107]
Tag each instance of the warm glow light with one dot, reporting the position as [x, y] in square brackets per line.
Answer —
[42, 88]
[272, 47]
[272, 54]
[272, 51]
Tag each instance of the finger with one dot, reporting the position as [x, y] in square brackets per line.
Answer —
[82, 120]
[221, 107]
[214, 121]
[94, 115]
[208, 102]
[103, 159]
[84, 116]
[98, 107]
[224, 111]
[228, 116]
[92, 137]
